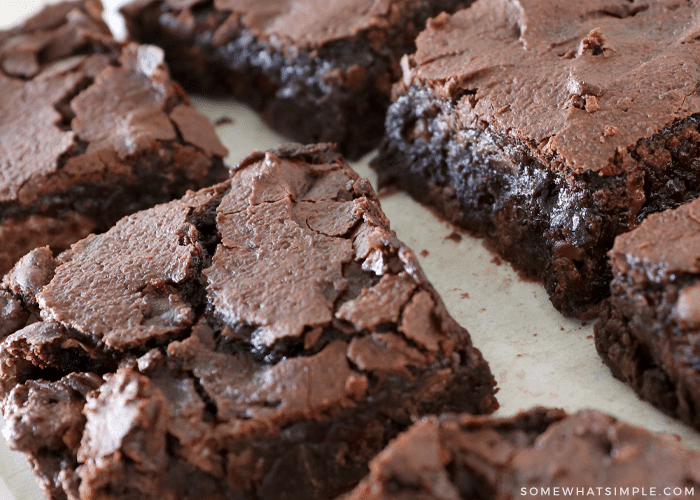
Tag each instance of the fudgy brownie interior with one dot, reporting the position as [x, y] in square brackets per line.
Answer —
[316, 71]
[262, 338]
[550, 128]
[93, 129]
[650, 329]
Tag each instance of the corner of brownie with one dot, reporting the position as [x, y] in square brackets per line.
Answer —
[549, 129]
[649, 332]
[93, 129]
[261, 338]
[315, 71]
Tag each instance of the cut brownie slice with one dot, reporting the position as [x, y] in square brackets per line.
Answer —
[550, 128]
[538, 454]
[259, 339]
[649, 333]
[317, 71]
[91, 130]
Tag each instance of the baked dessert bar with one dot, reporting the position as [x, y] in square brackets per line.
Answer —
[541, 453]
[316, 71]
[649, 333]
[550, 128]
[91, 130]
[259, 339]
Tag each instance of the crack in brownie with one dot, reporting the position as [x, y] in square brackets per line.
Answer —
[316, 71]
[537, 454]
[550, 128]
[649, 333]
[92, 130]
[261, 338]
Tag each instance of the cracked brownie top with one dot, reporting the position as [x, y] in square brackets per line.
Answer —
[582, 82]
[92, 129]
[539, 453]
[79, 106]
[218, 321]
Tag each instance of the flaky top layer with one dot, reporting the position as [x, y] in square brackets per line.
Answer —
[79, 106]
[580, 81]
[278, 296]
[541, 452]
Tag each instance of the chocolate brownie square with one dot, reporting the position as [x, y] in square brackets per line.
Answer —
[540, 454]
[92, 129]
[317, 71]
[263, 338]
[549, 128]
[649, 333]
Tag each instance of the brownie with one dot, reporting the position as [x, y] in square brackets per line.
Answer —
[649, 332]
[316, 71]
[259, 339]
[549, 128]
[541, 453]
[92, 129]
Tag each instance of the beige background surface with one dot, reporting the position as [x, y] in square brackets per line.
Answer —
[537, 356]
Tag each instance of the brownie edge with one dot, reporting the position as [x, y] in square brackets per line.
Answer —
[259, 339]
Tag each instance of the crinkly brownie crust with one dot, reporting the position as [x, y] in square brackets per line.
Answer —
[262, 338]
[550, 128]
[536, 454]
[316, 71]
[650, 329]
[92, 130]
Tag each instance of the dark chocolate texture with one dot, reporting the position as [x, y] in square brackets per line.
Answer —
[550, 128]
[316, 71]
[541, 453]
[92, 130]
[259, 339]
[649, 333]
